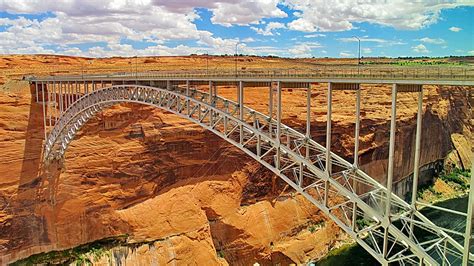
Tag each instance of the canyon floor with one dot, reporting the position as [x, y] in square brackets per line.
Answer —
[179, 194]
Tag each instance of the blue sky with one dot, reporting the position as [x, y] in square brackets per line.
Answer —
[290, 28]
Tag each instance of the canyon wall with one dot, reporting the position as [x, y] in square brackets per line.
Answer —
[195, 197]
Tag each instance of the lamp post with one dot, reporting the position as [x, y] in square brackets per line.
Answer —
[207, 63]
[136, 67]
[358, 62]
[206, 53]
[236, 45]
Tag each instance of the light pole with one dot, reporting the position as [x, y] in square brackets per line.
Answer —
[207, 63]
[136, 66]
[358, 62]
[236, 45]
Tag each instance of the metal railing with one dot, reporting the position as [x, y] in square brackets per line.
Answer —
[323, 72]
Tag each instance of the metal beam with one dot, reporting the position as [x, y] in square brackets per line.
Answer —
[308, 118]
[328, 144]
[357, 130]
[241, 110]
[416, 164]
[391, 155]
[44, 111]
[270, 109]
[468, 234]
[278, 134]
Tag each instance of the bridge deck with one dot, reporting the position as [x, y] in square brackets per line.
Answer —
[460, 78]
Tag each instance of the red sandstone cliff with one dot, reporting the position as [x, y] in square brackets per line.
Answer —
[192, 194]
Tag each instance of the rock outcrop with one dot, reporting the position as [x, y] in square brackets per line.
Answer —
[195, 197]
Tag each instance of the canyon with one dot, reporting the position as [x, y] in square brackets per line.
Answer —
[182, 195]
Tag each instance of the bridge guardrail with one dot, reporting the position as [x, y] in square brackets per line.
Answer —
[433, 73]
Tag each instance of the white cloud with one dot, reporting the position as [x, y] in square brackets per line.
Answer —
[304, 49]
[269, 28]
[339, 15]
[433, 41]
[470, 52]
[243, 12]
[420, 48]
[353, 39]
[455, 29]
[345, 54]
[249, 39]
[315, 35]
[366, 50]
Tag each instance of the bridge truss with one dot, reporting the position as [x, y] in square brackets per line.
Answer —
[388, 227]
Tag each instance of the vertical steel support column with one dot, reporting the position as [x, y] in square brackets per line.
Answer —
[357, 130]
[36, 93]
[44, 109]
[416, 164]
[211, 102]
[71, 92]
[241, 110]
[308, 118]
[391, 153]
[211, 96]
[78, 93]
[187, 94]
[53, 102]
[469, 220]
[278, 134]
[50, 109]
[60, 98]
[270, 109]
[66, 95]
[328, 144]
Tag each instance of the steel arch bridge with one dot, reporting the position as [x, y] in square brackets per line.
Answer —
[380, 221]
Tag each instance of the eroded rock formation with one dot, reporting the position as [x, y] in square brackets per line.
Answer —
[192, 195]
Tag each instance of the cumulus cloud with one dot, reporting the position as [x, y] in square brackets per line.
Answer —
[245, 12]
[339, 15]
[315, 35]
[345, 54]
[269, 28]
[353, 39]
[432, 41]
[420, 48]
[455, 29]
[304, 49]
[72, 22]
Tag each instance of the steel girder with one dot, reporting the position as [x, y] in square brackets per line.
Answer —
[357, 203]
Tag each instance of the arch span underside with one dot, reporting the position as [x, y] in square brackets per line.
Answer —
[354, 200]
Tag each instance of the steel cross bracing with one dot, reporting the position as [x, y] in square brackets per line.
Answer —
[377, 219]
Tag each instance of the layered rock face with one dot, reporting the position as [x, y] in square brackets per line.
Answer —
[158, 178]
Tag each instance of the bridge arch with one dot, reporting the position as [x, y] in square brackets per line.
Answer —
[255, 134]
